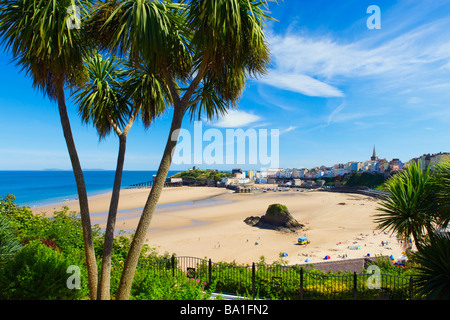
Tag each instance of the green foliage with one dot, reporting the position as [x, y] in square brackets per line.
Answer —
[42, 41]
[9, 244]
[202, 176]
[276, 209]
[53, 243]
[63, 228]
[154, 285]
[20, 218]
[442, 182]
[433, 261]
[411, 207]
[100, 100]
[37, 272]
[365, 179]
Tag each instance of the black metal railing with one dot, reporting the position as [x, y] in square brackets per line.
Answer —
[288, 282]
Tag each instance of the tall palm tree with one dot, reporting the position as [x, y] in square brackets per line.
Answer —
[112, 99]
[44, 43]
[203, 50]
[411, 207]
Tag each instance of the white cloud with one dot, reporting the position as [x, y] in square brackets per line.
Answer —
[317, 65]
[236, 119]
[288, 129]
[334, 113]
[301, 83]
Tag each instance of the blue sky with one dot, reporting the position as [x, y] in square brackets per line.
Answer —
[335, 88]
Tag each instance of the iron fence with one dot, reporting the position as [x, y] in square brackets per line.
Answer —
[288, 282]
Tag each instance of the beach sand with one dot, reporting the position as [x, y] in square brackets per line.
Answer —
[209, 223]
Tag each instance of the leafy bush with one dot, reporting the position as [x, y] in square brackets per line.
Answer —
[153, 285]
[37, 272]
[9, 244]
[365, 179]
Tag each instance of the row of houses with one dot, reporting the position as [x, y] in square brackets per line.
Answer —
[431, 160]
[380, 166]
[375, 166]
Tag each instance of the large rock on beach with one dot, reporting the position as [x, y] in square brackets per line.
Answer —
[277, 217]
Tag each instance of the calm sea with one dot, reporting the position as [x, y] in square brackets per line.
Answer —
[46, 187]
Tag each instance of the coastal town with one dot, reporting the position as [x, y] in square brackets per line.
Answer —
[316, 176]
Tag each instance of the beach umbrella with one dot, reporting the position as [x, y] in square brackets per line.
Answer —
[392, 257]
[326, 258]
[308, 260]
[284, 254]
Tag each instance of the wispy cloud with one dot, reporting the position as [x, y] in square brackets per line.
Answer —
[289, 129]
[236, 119]
[318, 65]
[301, 83]
[334, 113]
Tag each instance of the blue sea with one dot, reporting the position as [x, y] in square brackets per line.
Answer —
[36, 188]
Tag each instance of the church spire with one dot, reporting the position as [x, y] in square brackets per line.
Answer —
[374, 155]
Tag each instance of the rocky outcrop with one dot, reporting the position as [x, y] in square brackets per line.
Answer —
[277, 217]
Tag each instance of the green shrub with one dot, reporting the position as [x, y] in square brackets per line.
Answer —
[20, 218]
[9, 244]
[37, 272]
[154, 285]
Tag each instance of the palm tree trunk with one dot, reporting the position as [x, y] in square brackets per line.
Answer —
[82, 194]
[105, 277]
[129, 270]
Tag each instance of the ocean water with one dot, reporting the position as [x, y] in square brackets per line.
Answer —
[35, 188]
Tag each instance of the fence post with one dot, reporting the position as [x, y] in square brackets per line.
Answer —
[253, 281]
[173, 265]
[301, 283]
[209, 271]
[355, 281]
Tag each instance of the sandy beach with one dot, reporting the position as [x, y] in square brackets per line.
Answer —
[209, 223]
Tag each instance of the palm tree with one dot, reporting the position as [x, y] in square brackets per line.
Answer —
[204, 51]
[442, 182]
[433, 260]
[44, 43]
[411, 207]
[112, 99]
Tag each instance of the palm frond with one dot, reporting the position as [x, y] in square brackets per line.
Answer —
[101, 100]
[144, 29]
[39, 35]
[228, 35]
[443, 192]
[148, 91]
[411, 206]
[433, 260]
